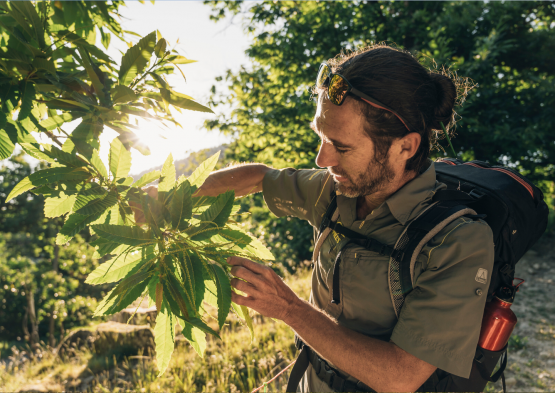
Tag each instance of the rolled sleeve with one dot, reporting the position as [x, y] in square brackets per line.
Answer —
[303, 193]
[441, 318]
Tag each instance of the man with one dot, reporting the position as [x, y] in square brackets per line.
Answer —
[376, 160]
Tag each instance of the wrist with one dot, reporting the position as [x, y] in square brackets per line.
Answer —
[296, 313]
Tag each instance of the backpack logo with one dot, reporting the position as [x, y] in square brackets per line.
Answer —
[482, 276]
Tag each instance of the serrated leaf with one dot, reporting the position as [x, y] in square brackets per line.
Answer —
[43, 64]
[120, 267]
[164, 338]
[167, 180]
[58, 206]
[121, 94]
[97, 204]
[160, 48]
[132, 236]
[181, 204]
[6, 145]
[27, 100]
[74, 224]
[98, 164]
[46, 176]
[183, 101]
[215, 217]
[195, 336]
[243, 313]
[254, 247]
[125, 293]
[84, 138]
[223, 291]
[62, 157]
[146, 179]
[181, 60]
[200, 174]
[28, 9]
[54, 122]
[120, 159]
[136, 58]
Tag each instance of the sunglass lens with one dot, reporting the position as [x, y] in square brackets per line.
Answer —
[323, 74]
[337, 89]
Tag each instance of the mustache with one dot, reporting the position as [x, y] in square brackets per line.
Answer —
[337, 171]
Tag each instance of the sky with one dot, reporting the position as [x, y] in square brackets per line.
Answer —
[216, 46]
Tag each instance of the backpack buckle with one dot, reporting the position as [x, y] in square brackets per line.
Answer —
[397, 255]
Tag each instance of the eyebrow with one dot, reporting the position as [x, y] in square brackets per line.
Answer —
[335, 142]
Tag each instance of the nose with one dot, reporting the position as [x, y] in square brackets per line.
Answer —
[327, 156]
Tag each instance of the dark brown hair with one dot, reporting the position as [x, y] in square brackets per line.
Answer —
[392, 76]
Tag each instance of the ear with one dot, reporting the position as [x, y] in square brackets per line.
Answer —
[408, 145]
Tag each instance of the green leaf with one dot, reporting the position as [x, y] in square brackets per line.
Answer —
[121, 266]
[27, 100]
[132, 236]
[6, 145]
[217, 213]
[181, 204]
[180, 60]
[74, 224]
[136, 58]
[160, 48]
[46, 176]
[200, 174]
[146, 179]
[61, 157]
[120, 159]
[164, 336]
[94, 200]
[243, 313]
[195, 336]
[93, 76]
[43, 64]
[58, 206]
[98, 164]
[253, 246]
[167, 181]
[54, 122]
[28, 9]
[84, 138]
[125, 293]
[183, 101]
[122, 94]
[223, 291]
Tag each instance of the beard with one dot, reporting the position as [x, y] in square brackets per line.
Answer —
[374, 179]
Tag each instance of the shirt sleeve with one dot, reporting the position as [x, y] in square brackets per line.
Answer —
[441, 318]
[303, 193]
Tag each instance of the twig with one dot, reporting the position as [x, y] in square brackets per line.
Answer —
[271, 380]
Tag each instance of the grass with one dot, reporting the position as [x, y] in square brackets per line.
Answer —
[232, 364]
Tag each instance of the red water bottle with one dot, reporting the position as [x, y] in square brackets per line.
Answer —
[499, 320]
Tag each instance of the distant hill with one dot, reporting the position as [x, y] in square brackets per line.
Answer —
[187, 165]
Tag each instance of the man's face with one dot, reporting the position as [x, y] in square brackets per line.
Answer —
[347, 151]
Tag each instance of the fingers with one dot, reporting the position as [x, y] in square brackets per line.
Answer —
[242, 300]
[152, 191]
[253, 266]
[255, 279]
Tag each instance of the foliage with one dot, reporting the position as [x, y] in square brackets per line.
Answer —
[52, 74]
[27, 268]
[226, 366]
[505, 47]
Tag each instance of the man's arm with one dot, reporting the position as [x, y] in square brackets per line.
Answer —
[244, 179]
[381, 365]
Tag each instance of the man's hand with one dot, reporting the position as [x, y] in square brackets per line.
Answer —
[266, 292]
[152, 192]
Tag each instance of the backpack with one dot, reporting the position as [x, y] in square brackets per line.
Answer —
[508, 202]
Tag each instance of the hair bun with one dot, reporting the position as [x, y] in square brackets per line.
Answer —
[446, 96]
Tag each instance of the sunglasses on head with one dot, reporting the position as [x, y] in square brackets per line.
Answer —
[338, 87]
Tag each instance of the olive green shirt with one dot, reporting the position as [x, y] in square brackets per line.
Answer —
[440, 319]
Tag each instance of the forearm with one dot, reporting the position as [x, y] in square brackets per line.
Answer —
[381, 365]
[243, 179]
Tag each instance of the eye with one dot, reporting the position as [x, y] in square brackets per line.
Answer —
[341, 151]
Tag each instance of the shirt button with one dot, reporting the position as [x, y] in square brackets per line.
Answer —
[479, 292]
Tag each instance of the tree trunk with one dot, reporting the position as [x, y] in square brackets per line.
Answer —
[52, 325]
[26, 336]
[34, 337]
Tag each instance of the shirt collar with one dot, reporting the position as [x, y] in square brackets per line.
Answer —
[414, 196]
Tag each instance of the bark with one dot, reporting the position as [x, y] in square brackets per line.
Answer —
[52, 324]
[34, 336]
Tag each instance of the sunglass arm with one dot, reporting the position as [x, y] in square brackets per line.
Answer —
[448, 139]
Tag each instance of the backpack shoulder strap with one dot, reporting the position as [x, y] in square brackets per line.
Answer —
[419, 232]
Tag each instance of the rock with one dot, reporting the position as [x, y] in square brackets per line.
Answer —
[510, 381]
[82, 338]
[142, 316]
[132, 338]
[111, 336]
[536, 266]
